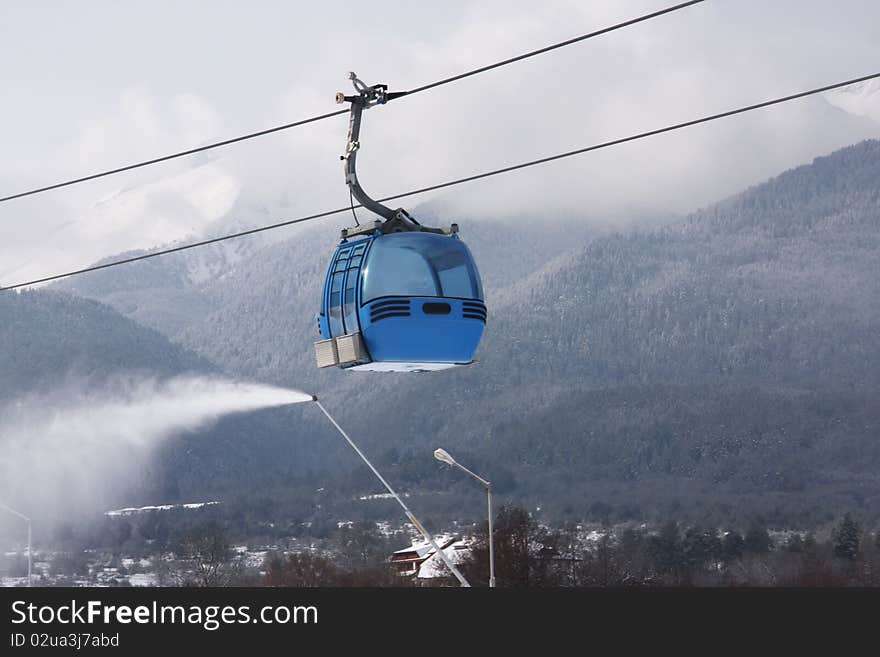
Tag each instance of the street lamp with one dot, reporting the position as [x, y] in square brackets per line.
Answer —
[446, 457]
[407, 512]
[28, 521]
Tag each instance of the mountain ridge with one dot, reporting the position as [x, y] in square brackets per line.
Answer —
[767, 299]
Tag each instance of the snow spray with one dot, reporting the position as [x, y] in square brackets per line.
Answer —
[68, 448]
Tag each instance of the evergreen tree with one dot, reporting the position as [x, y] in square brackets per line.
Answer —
[666, 549]
[795, 544]
[846, 539]
[694, 548]
[732, 546]
[757, 540]
[813, 571]
[360, 543]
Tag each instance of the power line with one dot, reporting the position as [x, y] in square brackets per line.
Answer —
[321, 117]
[457, 181]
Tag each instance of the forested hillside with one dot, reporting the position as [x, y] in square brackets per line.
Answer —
[776, 286]
[727, 363]
[46, 337]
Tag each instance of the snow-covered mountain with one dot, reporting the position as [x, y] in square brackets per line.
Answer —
[633, 360]
[861, 99]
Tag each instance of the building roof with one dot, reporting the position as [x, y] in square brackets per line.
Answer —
[422, 549]
[433, 566]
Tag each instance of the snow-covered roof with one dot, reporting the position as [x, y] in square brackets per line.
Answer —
[422, 548]
[143, 579]
[433, 566]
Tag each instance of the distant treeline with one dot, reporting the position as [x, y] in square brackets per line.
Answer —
[530, 555]
[527, 554]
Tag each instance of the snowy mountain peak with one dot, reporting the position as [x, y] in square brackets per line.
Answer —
[862, 99]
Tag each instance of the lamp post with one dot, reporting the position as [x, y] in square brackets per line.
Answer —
[440, 553]
[28, 521]
[446, 457]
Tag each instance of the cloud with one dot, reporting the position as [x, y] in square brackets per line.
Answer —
[160, 212]
[166, 204]
[702, 60]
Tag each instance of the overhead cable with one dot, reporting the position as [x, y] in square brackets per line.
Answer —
[457, 181]
[321, 117]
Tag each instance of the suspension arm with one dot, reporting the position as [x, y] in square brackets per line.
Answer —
[366, 97]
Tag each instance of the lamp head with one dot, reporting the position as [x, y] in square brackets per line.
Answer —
[443, 455]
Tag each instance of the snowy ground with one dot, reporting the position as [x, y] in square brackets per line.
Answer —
[130, 511]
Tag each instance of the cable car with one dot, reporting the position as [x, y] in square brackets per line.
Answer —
[398, 296]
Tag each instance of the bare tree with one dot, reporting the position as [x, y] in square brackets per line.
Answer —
[301, 569]
[207, 559]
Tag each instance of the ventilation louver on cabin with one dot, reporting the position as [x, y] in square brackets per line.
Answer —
[389, 308]
[474, 310]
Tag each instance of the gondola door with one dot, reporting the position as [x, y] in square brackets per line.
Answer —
[334, 293]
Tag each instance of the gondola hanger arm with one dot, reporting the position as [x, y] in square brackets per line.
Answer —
[366, 97]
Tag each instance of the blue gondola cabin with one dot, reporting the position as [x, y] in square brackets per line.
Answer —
[401, 302]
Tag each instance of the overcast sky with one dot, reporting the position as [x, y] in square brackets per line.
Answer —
[94, 84]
